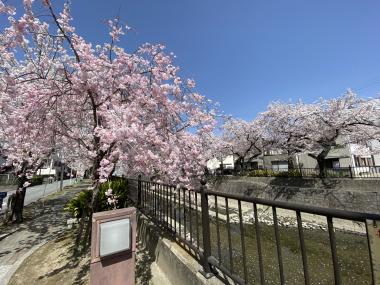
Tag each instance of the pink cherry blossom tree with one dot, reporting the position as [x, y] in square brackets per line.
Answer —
[105, 105]
[315, 128]
[26, 144]
[242, 139]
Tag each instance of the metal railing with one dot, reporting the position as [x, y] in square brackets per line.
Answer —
[341, 172]
[7, 179]
[171, 208]
[218, 235]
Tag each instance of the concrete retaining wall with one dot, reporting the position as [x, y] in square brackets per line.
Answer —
[177, 265]
[349, 194]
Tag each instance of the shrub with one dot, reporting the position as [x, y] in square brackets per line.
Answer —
[272, 173]
[291, 173]
[261, 173]
[119, 188]
[36, 180]
[79, 206]
[333, 173]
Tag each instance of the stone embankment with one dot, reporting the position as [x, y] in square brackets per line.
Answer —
[360, 195]
[286, 218]
[345, 194]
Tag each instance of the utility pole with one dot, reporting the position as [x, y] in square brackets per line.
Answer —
[61, 183]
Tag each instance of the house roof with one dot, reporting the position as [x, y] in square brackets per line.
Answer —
[338, 153]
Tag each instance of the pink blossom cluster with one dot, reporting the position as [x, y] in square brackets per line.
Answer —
[111, 198]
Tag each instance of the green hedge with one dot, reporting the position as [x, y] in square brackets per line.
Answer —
[80, 204]
[272, 173]
[36, 180]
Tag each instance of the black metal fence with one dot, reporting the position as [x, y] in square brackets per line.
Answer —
[214, 227]
[341, 172]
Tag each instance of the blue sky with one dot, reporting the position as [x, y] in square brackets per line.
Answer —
[247, 53]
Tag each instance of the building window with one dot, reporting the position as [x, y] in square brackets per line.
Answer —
[335, 164]
[363, 161]
[280, 165]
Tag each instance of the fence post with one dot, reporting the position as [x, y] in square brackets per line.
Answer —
[206, 272]
[373, 240]
[349, 167]
[139, 191]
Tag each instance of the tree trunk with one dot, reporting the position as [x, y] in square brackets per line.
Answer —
[95, 184]
[290, 162]
[9, 210]
[18, 203]
[238, 165]
[321, 162]
[95, 199]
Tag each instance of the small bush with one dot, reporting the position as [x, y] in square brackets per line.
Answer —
[293, 173]
[260, 173]
[36, 180]
[119, 188]
[79, 206]
[337, 173]
[272, 173]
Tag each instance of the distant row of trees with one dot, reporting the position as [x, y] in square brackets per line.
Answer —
[302, 127]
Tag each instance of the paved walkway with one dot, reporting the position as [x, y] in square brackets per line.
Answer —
[35, 192]
[43, 220]
[7, 188]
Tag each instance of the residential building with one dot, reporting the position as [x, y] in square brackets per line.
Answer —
[362, 159]
[227, 164]
[276, 159]
[254, 163]
[49, 168]
[53, 167]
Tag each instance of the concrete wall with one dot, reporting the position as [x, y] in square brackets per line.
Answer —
[176, 266]
[376, 159]
[257, 162]
[267, 159]
[345, 161]
[348, 194]
[306, 161]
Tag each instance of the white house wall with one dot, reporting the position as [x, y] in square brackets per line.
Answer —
[306, 161]
[49, 170]
[345, 162]
[46, 171]
[228, 163]
[376, 159]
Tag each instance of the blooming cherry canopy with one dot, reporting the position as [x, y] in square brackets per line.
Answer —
[316, 127]
[243, 139]
[102, 105]
[312, 128]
